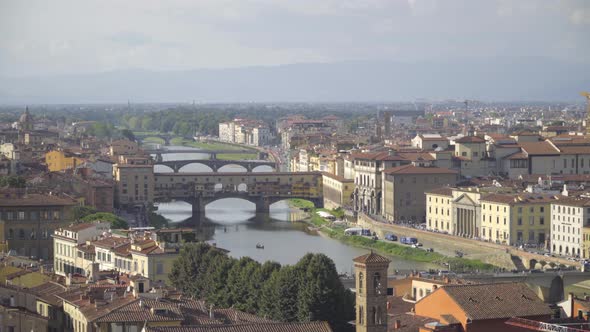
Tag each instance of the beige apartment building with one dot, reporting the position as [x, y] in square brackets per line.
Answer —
[338, 191]
[69, 246]
[134, 184]
[28, 220]
[404, 187]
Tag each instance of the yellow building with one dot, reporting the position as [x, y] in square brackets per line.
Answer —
[338, 191]
[471, 156]
[516, 219]
[123, 147]
[586, 242]
[58, 161]
[438, 210]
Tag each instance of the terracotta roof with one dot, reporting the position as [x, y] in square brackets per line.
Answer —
[36, 200]
[411, 169]
[525, 198]
[264, 327]
[79, 227]
[371, 258]
[444, 191]
[111, 242]
[575, 149]
[403, 311]
[573, 201]
[379, 156]
[539, 148]
[47, 292]
[499, 300]
[517, 155]
[470, 139]
[152, 310]
[337, 177]
[415, 156]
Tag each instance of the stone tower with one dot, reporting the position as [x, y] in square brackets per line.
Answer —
[371, 292]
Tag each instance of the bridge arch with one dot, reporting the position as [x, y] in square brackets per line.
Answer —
[556, 290]
[264, 168]
[159, 168]
[185, 167]
[232, 168]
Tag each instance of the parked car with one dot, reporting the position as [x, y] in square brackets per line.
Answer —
[391, 237]
[408, 240]
[430, 250]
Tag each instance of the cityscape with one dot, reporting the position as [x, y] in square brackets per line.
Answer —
[247, 166]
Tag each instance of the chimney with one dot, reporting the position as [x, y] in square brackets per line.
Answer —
[211, 315]
[571, 299]
[397, 325]
[435, 287]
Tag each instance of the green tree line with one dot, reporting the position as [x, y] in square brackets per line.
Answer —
[307, 291]
[12, 181]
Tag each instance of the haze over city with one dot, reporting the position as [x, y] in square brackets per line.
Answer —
[326, 50]
[294, 165]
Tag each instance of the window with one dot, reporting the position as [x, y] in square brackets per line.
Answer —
[21, 215]
[520, 209]
[159, 268]
[21, 234]
[542, 220]
[542, 209]
[10, 234]
[519, 220]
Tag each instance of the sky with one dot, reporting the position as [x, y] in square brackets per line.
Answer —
[65, 37]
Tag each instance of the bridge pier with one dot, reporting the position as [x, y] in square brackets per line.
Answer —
[262, 206]
[198, 207]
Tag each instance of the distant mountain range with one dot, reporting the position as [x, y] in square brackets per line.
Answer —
[487, 79]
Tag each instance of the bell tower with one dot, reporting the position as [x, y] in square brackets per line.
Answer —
[371, 292]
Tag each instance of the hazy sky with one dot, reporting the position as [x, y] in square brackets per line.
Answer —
[91, 36]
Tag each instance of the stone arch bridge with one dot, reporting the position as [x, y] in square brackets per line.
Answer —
[212, 153]
[260, 188]
[167, 138]
[216, 164]
[548, 285]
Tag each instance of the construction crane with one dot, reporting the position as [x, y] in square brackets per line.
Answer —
[534, 325]
[587, 95]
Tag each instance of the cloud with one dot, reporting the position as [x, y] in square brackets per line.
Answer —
[69, 36]
[581, 16]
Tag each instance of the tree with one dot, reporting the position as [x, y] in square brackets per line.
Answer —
[128, 134]
[116, 222]
[280, 295]
[12, 181]
[191, 266]
[321, 292]
[80, 212]
[156, 220]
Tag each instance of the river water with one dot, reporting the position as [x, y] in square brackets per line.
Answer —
[232, 224]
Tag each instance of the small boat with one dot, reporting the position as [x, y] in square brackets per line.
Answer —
[259, 246]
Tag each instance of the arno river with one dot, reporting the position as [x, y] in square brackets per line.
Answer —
[232, 224]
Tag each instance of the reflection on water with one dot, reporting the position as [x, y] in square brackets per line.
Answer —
[233, 225]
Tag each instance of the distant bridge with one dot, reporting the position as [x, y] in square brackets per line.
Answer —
[548, 285]
[167, 138]
[216, 164]
[262, 189]
[212, 153]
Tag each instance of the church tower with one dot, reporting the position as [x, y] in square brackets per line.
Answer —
[25, 121]
[371, 292]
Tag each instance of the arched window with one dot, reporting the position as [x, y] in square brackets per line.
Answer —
[360, 314]
[361, 276]
[21, 234]
[10, 233]
[377, 283]
[379, 317]
[373, 315]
